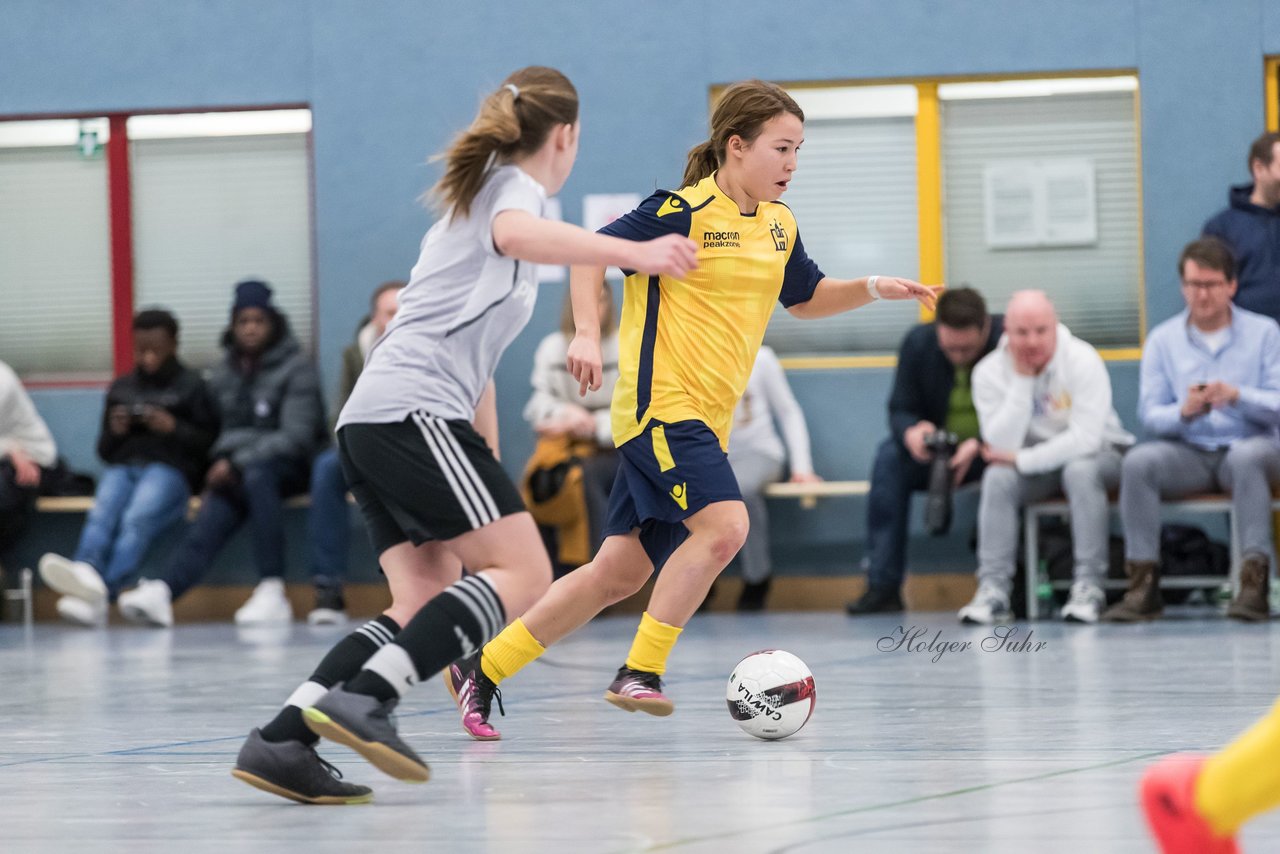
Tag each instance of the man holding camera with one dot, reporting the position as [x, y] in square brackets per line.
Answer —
[930, 404]
[1044, 407]
[1210, 394]
[157, 427]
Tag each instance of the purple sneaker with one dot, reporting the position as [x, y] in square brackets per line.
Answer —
[473, 692]
[639, 691]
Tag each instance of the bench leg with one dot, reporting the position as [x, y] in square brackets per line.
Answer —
[1031, 561]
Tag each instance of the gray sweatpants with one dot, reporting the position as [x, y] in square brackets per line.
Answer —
[754, 472]
[1248, 470]
[1004, 491]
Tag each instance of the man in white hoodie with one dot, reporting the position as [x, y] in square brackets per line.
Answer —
[1043, 398]
[26, 451]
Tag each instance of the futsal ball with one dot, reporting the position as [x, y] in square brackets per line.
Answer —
[771, 694]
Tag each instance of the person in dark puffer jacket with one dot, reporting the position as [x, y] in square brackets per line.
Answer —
[272, 414]
[157, 426]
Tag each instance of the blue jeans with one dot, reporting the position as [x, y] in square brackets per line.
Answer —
[131, 507]
[329, 522]
[258, 499]
[894, 476]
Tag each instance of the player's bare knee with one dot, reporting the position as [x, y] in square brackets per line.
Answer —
[727, 538]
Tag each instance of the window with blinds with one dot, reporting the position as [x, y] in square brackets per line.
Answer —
[210, 211]
[1096, 284]
[854, 197]
[215, 198]
[55, 258]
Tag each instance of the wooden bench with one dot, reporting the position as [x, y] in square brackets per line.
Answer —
[1058, 507]
[809, 493]
[84, 503]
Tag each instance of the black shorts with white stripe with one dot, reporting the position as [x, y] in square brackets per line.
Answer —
[423, 479]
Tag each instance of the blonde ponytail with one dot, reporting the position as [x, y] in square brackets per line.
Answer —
[515, 119]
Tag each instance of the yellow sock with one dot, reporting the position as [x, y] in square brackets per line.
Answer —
[1243, 779]
[653, 643]
[508, 653]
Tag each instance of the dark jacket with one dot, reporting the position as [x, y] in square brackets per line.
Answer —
[1253, 233]
[922, 384]
[178, 390]
[273, 411]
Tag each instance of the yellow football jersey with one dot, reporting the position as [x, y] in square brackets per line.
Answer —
[686, 346]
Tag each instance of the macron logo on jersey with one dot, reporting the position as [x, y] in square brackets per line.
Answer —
[671, 205]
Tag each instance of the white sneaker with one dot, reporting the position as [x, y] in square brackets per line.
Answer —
[1086, 603]
[326, 617]
[73, 578]
[989, 605]
[268, 605]
[150, 603]
[73, 609]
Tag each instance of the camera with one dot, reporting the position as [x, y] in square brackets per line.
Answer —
[937, 506]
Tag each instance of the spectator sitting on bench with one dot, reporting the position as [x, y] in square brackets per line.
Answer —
[328, 520]
[157, 426]
[932, 390]
[1044, 408]
[27, 449]
[272, 419]
[756, 455]
[1210, 393]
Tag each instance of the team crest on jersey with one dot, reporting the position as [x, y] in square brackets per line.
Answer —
[779, 235]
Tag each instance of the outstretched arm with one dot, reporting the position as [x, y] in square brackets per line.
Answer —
[520, 234]
[834, 296]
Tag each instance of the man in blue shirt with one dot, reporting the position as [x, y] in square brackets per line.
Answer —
[1210, 392]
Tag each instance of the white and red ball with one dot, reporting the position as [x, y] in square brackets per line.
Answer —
[771, 694]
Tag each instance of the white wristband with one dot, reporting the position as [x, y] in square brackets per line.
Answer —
[872, 289]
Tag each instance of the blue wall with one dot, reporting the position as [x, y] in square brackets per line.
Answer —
[389, 81]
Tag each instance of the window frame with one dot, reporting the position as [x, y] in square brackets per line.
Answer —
[929, 189]
[116, 154]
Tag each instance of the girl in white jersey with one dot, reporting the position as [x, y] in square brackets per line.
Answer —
[431, 491]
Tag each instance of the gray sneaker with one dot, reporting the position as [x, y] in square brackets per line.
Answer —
[363, 723]
[295, 771]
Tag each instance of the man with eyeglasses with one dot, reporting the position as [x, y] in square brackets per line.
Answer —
[1210, 393]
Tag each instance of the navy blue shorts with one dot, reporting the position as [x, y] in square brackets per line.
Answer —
[666, 474]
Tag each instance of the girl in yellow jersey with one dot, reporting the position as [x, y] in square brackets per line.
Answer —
[686, 347]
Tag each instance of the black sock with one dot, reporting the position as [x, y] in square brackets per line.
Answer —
[451, 626]
[341, 663]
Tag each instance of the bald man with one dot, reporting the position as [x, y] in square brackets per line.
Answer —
[1044, 411]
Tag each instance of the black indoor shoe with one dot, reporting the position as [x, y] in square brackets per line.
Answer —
[876, 601]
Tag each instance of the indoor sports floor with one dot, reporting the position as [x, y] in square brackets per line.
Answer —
[123, 739]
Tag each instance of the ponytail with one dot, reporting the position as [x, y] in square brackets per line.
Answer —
[702, 162]
[516, 119]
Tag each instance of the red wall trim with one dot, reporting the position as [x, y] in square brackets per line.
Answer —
[119, 196]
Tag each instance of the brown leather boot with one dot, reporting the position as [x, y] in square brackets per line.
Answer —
[1142, 600]
[1252, 603]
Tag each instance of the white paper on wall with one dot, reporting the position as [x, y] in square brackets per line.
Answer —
[600, 209]
[1040, 203]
